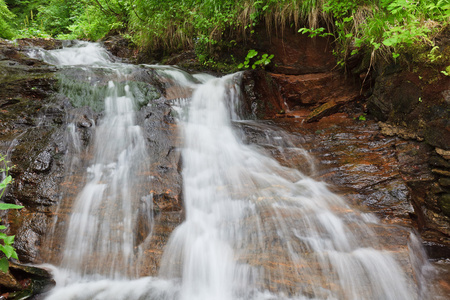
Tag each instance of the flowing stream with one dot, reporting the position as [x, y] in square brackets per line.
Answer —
[253, 228]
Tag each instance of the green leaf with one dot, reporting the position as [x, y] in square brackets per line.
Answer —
[252, 53]
[390, 42]
[9, 240]
[348, 19]
[395, 55]
[2, 227]
[8, 250]
[4, 265]
[4, 206]
[5, 182]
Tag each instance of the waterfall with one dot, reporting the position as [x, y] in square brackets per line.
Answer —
[253, 229]
[256, 229]
[99, 237]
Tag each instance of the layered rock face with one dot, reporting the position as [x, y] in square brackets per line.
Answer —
[394, 130]
[415, 107]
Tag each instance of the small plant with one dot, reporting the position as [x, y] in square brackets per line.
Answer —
[261, 61]
[314, 32]
[361, 117]
[8, 240]
[446, 72]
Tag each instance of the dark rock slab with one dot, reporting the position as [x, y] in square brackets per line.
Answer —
[23, 281]
[262, 98]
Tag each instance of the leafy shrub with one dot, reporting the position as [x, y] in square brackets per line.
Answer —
[5, 17]
[7, 248]
[258, 61]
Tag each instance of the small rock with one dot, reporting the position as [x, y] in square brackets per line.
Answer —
[444, 153]
[8, 281]
[404, 133]
[444, 181]
[323, 110]
[42, 162]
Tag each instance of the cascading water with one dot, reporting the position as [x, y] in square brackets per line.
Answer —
[99, 236]
[253, 229]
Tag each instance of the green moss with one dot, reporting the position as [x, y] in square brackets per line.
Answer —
[82, 92]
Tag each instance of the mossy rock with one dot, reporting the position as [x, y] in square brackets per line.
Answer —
[444, 204]
[88, 91]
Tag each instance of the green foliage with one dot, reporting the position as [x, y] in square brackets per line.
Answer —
[246, 64]
[446, 72]
[92, 24]
[5, 17]
[32, 32]
[314, 32]
[174, 25]
[261, 61]
[67, 19]
[384, 28]
[7, 248]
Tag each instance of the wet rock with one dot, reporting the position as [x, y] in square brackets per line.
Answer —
[325, 109]
[444, 153]
[262, 99]
[8, 282]
[414, 106]
[444, 204]
[45, 43]
[315, 89]
[391, 96]
[31, 133]
[42, 162]
[24, 282]
[444, 181]
[437, 133]
[405, 133]
[165, 157]
[407, 100]
[120, 47]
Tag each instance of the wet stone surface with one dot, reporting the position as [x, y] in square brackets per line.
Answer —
[41, 130]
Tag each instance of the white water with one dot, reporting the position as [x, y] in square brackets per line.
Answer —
[99, 238]
[253, 229]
